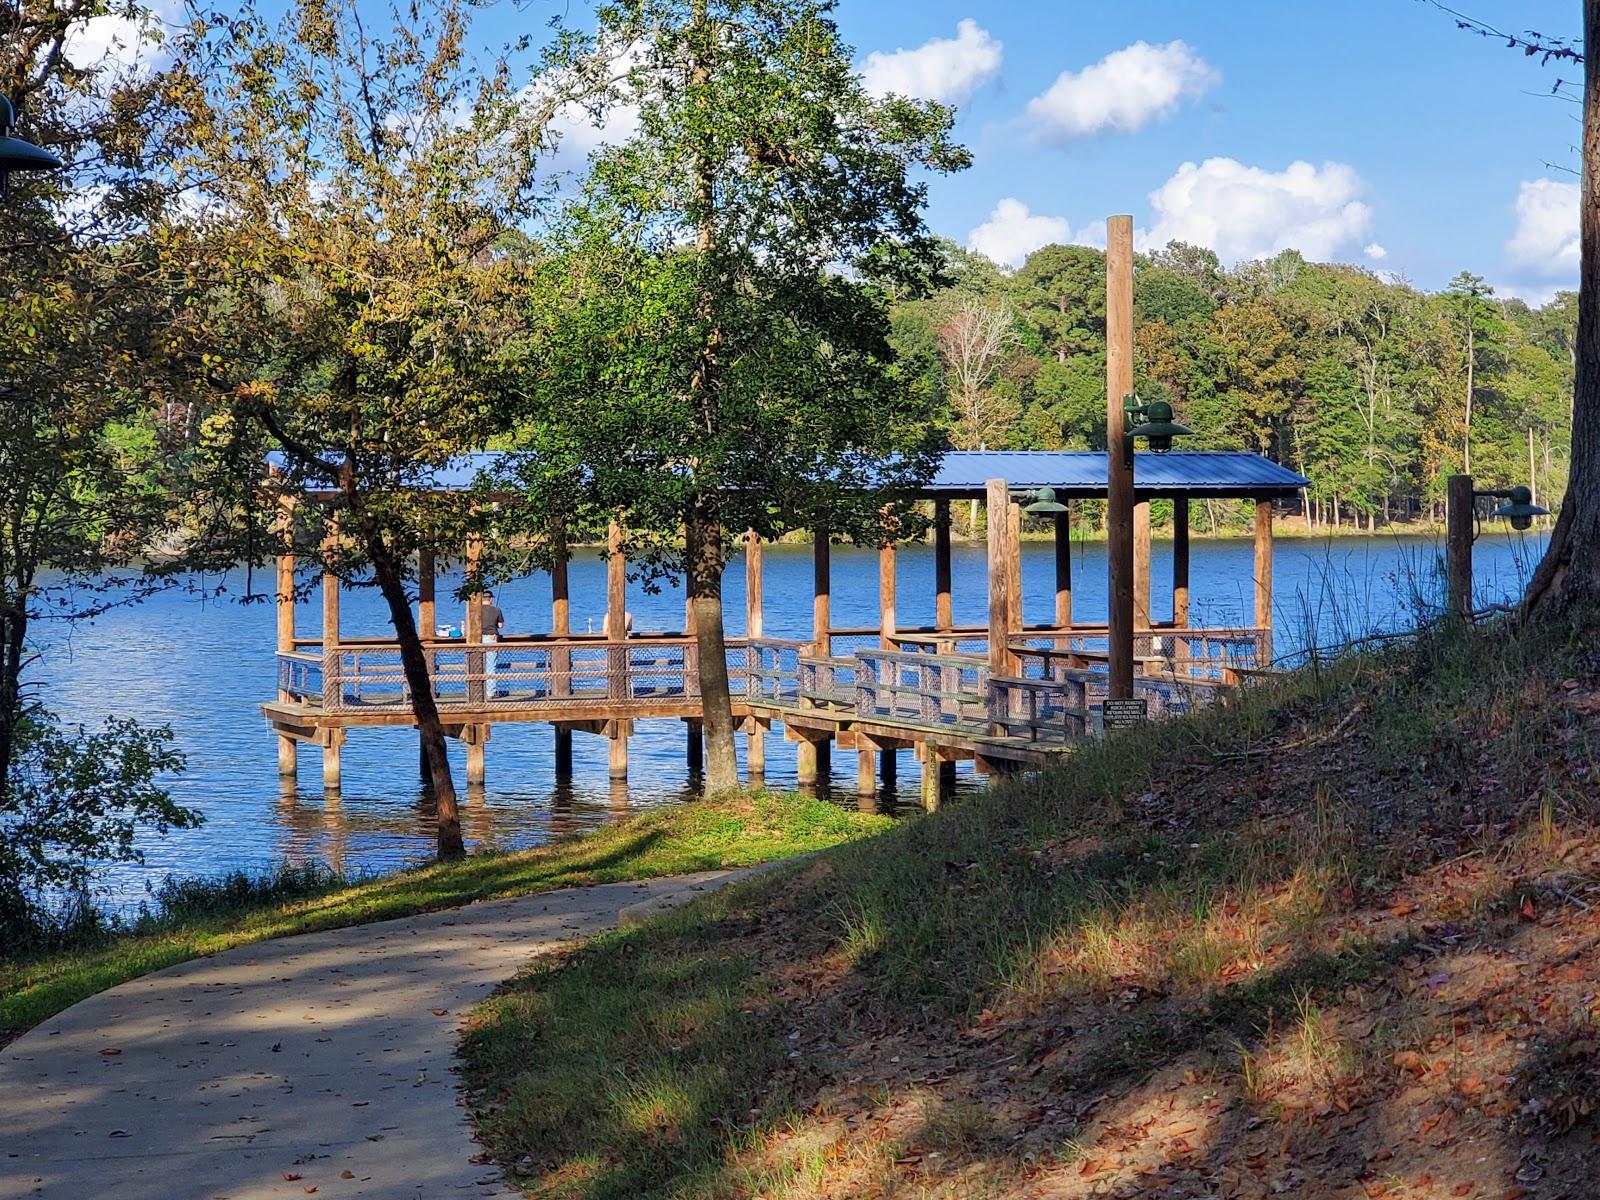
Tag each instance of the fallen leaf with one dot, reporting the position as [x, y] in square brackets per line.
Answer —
[109, 1051]
[1527, 908]
[290, 1176]
[347, 1174]
[439, 1012]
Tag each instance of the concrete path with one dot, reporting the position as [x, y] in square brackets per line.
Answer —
[318, 1064]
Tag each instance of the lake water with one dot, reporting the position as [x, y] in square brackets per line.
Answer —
[203, 667]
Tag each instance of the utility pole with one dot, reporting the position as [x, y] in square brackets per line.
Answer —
[1119, 464]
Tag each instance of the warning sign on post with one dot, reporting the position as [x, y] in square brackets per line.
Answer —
[1125, 714]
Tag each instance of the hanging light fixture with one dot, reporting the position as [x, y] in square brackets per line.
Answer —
[1044, 503]
[16, 154]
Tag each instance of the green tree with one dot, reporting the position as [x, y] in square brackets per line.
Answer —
[1061, 291]
[356, 182]
[737, 379]
[87, 315]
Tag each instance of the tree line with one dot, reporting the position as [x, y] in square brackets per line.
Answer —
[1374, 390]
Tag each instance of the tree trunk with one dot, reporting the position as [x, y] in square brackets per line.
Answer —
[1569, 573]
[711, 647]
[15, 625]
[414, 662]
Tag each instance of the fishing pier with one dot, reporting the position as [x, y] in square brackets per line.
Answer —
[1003, 695]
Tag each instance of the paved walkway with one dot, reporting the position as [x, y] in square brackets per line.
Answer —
[318, 1064]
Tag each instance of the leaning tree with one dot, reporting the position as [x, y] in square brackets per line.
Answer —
[352, 181]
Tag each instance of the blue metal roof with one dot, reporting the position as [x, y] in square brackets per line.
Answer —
[1082, 473]
[1079, 474]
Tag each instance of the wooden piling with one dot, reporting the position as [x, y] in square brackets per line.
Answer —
[886, 595]
[694, 747]
[866, 770]
[1063, 531]
[1180, 562]
[1458, 514]
[996, 504]
[805, 763]
[288, 757]
[1141, 565]
[1014, 568]
[1263, 575]
[332, 744]
[943, 610]
[933, 780]
[821, 592]
[472, 626]
[1119, 492]
[754, 618]
[755, 754]
[563, 752]
[617, 755]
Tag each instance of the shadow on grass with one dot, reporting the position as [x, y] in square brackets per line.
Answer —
[711, 1054]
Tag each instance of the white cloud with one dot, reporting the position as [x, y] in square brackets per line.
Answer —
[1124, 91]
[1546, 237]
[579, 133]
[1012, 233]
[1375, 252]
[948, 70]
[118, 43]
[1245, 212]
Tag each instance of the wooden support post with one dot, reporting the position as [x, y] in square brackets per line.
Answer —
[886, 596]
[285, 599]
[288, 758]
[332, 685]
[998, 523]
[889, 765]
[933, 787]
[1014, 568]
[821, 593]
[1119, 474]
[754, 617]
[618, 755]
[1264, 580]
[472, 627]
[755, 756]
[1141, 565]
[563, 752]
[805, 763]
[427, 604]
[943, 611]
[332, 744]
[616, 629]
[866, 770]
[1458, 513]
[475, 764]
[560, 605]
[1180, 562]
[694, 747]
[1063, 570]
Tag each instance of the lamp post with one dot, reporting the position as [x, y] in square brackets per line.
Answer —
[16, 154]
[1460, 532]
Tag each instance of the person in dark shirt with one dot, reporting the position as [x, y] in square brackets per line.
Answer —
[492, 621]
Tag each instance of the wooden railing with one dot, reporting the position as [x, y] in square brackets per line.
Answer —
[507, 675]
[935, 690]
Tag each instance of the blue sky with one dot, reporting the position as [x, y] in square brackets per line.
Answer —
[1430, 133]
[1366, 131]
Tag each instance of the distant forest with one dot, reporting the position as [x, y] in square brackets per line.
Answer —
[1373, 390]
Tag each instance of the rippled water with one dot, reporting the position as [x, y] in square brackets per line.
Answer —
[204, 666]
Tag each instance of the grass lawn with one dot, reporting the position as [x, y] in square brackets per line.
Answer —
[1337, 938]
[732, 831]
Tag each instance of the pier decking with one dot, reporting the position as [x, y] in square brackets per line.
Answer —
[1003, 695]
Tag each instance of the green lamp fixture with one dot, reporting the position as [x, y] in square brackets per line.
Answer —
[1044, 503]
[1153, 421]
[16, 154]
[1519, 507]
